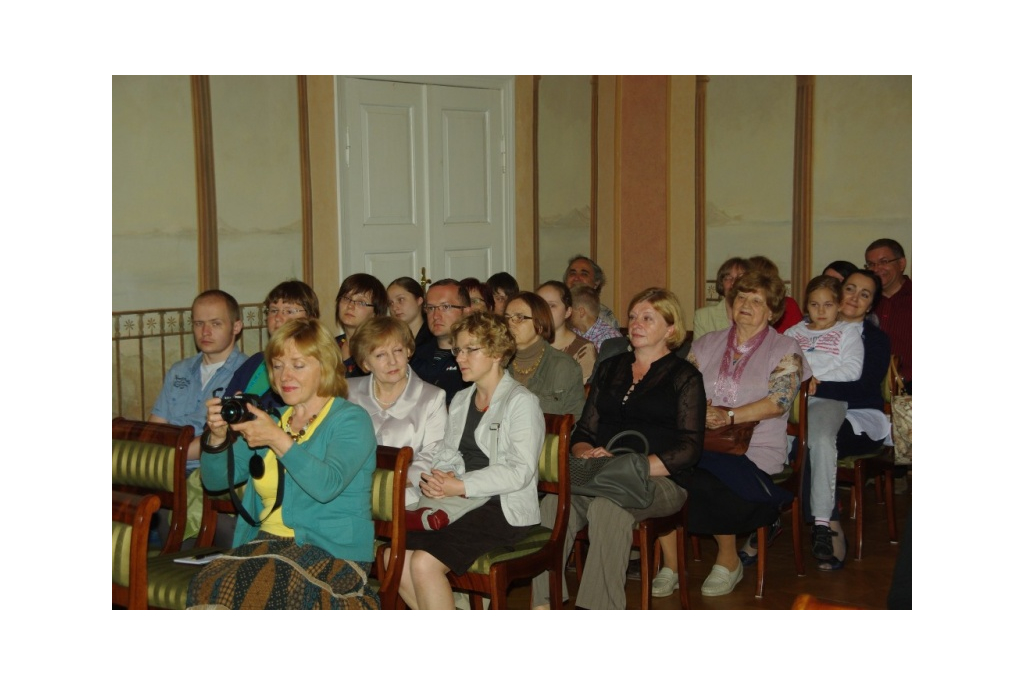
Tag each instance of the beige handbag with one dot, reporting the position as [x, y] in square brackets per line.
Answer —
[902, 428]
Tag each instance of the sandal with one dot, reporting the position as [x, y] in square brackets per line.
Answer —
[750, 558]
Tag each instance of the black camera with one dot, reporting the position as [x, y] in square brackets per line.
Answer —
[233, 409]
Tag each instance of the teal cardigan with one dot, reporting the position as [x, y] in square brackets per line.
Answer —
[327, 484]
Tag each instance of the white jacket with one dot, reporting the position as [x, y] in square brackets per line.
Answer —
[511, 434]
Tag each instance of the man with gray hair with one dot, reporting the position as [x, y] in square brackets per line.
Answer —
[585, 304]
[585, 271]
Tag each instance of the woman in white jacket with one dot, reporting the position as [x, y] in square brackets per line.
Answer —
[491, 450]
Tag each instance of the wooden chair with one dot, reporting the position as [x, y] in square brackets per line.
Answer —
[542, 549]
[880, 465]
[806, 601]
[149, 458]
[645, 538]
[387, 506]
[131, 518]
[789, 478]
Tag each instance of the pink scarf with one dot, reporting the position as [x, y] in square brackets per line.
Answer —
[730, 371]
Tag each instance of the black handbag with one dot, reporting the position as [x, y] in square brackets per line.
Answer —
[625, 478]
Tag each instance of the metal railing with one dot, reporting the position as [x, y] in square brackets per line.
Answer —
[146, 343]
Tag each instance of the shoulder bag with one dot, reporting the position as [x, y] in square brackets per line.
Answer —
[624, 478]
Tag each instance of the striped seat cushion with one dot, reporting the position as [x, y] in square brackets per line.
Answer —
[168, 581]
[851, 461]
[381, 496]
[532, 543]
[121, 553]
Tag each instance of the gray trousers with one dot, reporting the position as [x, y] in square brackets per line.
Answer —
[603, 585]
[824, 417]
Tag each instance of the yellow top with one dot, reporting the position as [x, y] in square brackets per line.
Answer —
[266, 487]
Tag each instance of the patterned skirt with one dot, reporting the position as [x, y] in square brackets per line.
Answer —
[272, 572]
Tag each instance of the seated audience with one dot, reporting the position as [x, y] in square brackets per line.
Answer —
[791, 313]
[359, 297]
[750, 373]
[404, 409]
[491, 450]
[886, 258]
[480, 297]
[288, 300]
[305, 538]
[447, 303]
[585, 271]
[503, 286]
[216, 324]
[549, 374]
[717, 317]
[585, 319]
[651, 390]
[864, 427]
[559, 299]
[405, 302]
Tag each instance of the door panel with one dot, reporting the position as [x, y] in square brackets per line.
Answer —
[423, 182]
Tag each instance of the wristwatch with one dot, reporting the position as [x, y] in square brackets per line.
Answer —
[732, 417]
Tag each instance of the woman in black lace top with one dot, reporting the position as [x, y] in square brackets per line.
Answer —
[651, 390]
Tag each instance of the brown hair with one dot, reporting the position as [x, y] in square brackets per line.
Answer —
[363, 283]
[726, 269]
[543, 324]
[770, 285]
[828, 283]
[377, 331]
[295, 292]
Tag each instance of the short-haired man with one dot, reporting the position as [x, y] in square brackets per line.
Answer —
[446, 302]
[216, 324]
[887, 259]
[585, 271]
[585, 309]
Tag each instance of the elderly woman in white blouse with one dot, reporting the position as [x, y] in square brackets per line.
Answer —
[406, 411]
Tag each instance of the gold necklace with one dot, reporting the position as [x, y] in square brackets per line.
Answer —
[526, 373]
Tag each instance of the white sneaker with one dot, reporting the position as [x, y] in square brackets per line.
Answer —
[665, 583]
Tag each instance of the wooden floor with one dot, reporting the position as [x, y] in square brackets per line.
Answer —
[863, 583]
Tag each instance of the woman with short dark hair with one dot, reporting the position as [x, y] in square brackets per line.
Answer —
[359, 297]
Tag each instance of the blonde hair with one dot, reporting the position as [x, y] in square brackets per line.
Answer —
[490, 331]
[311, 340]
[667, 304]
[377, 331]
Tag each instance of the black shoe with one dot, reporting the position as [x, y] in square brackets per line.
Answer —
[821, 543]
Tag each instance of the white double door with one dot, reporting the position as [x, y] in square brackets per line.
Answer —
[424, 180]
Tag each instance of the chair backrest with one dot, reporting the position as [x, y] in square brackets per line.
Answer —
[797, 427]
[387, 507]
[553, 471]
[149, 458]
[130, 535]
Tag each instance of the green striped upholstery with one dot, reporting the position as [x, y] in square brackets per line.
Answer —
[534, 541]
[548, 467]
[168, 581]
[143, 465]
[121, 552]
[783, 475]
[851, 461]
[381, 496]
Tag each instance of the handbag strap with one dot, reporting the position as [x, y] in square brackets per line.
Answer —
[897, 387]
[623, 436]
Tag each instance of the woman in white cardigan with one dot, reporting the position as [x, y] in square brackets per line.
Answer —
[405, 409]
[491, 450]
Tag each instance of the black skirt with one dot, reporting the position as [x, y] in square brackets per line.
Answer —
[749, 500]
[459, 544]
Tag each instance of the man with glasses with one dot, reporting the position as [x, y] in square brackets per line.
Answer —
[446, 302]
[216, 324]
[886, 258]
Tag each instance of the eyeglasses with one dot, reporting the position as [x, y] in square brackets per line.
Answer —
[476, 300]
[345, 299]
[517, 318]
[290, 311]
[431, 308]
[882, 262]
[468, 350]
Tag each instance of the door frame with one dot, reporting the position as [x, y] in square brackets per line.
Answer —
[504, 84]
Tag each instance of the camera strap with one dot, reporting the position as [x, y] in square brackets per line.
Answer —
[278, 498]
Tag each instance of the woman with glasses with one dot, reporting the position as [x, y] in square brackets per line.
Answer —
[718, 317]
[288, 300]
[304, 539]
[503, 286]
[481, 299]
[491, 450]
[551, 375]
[359, 297]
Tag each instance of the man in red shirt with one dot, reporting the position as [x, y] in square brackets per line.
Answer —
[886, 258]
